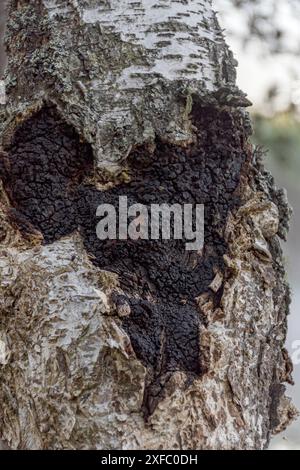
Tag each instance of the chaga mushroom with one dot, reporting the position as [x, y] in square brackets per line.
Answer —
[45, 171]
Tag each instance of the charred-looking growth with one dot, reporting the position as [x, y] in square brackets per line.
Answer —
[44, 177]
[45, 165]
[134, 344]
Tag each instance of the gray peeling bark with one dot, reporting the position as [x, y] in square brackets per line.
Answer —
[135, 344]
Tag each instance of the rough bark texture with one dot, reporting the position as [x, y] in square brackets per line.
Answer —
[2, 27]
[135, 344]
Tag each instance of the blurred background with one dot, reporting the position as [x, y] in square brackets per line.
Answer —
[265, 38]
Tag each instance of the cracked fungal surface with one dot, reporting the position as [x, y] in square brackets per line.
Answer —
[45, 172]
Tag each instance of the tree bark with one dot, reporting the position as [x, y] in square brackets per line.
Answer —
[135, 345]
[2, 26]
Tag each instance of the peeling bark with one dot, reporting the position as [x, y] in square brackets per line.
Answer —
[134, 345]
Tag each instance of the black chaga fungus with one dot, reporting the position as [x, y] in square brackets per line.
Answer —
[43, 174]
[46, 162]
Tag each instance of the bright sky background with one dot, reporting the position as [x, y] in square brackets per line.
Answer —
[258, 68]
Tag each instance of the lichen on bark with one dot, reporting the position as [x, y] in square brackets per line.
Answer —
[135, 344]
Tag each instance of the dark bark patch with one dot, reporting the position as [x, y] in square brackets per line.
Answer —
[41, 172]
[277, 390]
[44, 174]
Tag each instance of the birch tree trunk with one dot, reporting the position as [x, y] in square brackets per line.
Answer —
[135, 345]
